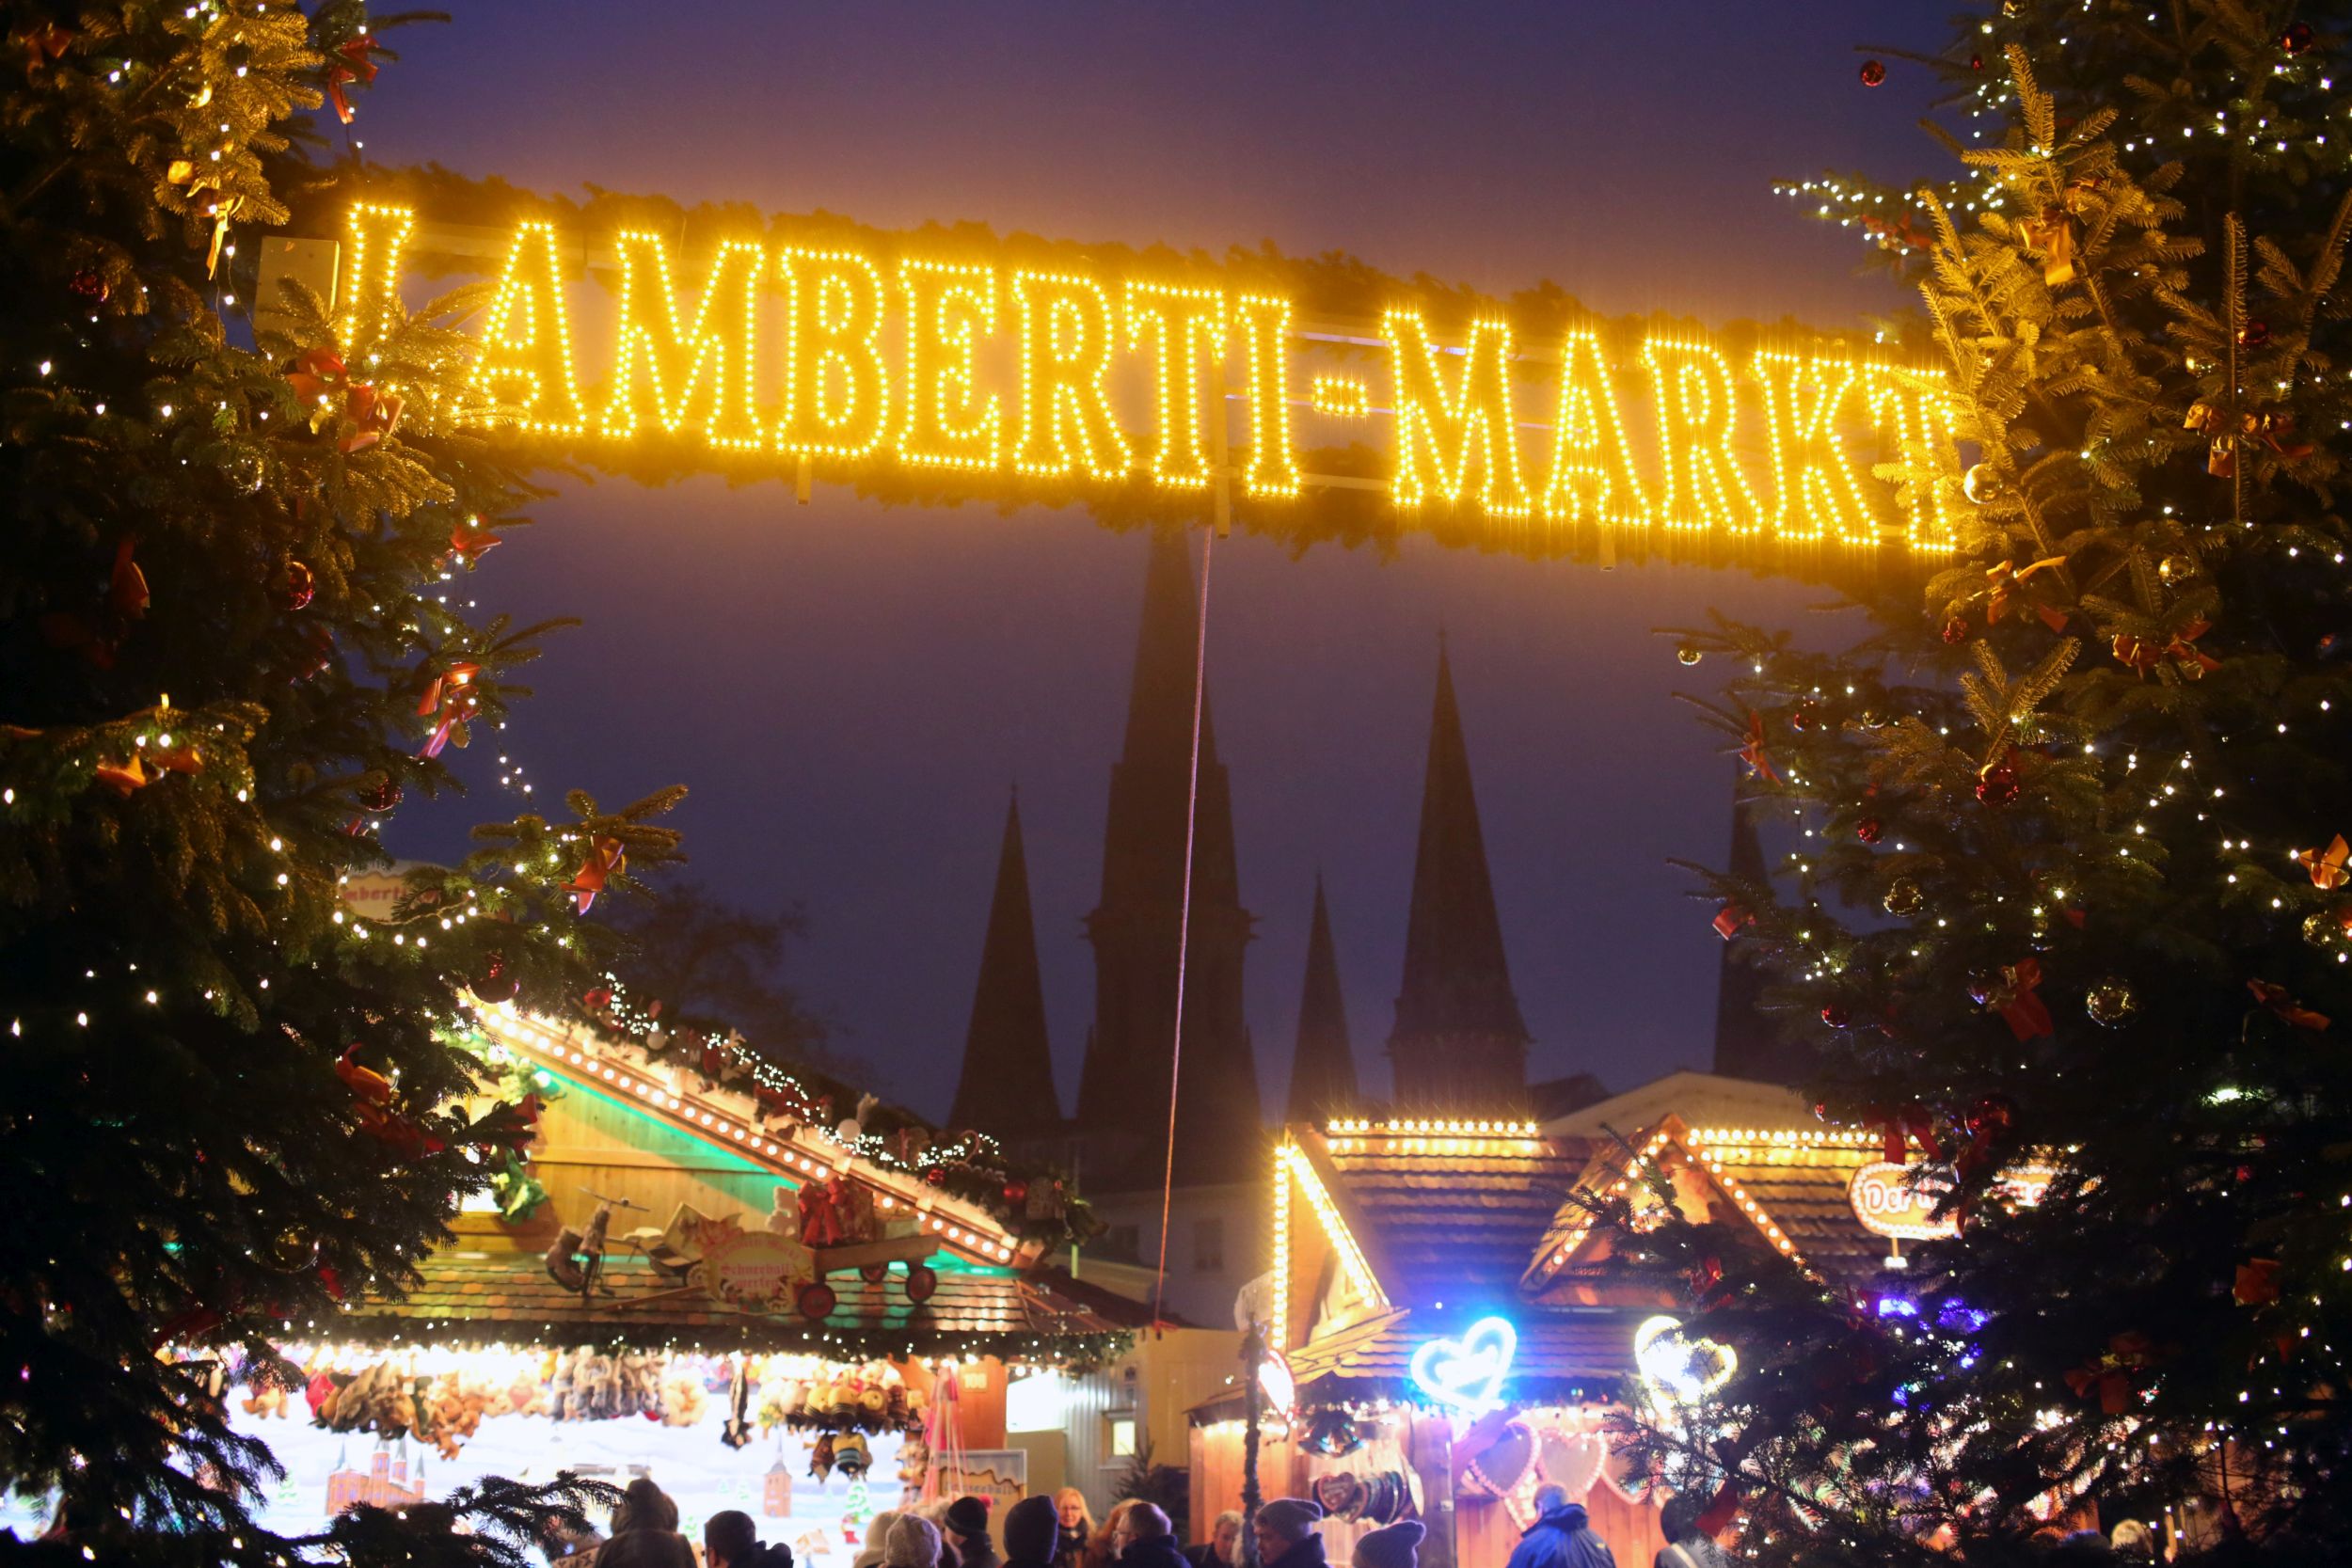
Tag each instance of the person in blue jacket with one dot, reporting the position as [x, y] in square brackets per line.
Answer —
[1561, 1537]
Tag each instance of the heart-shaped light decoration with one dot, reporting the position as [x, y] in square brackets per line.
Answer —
[1573, 1463]
[1468, 1373]
[1683, 1369]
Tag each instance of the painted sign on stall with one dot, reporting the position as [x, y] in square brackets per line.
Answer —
[1900, 1201]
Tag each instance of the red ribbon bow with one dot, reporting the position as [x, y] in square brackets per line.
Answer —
[2257, 1282]
[2327, 867]
[820, 1215]
[2281, 1002]
[2017, 1002]
[2002, 582]
[2144, 657]
[603, 861]
[320, 374]
[351, 64]
[2110, 1375]
[1753, 754]
[1899, 1128]
[469, 543]
[451, 694]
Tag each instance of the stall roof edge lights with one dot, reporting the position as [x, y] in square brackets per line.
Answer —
[731, 1122]
[1705, 1150]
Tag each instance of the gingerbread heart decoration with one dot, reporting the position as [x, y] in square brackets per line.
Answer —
[1573, 1463]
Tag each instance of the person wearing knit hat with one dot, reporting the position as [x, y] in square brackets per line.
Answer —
[877, 1532]
[1032, 1533]
[1287, 1537]
[967, 1523]
[912, 1543]
[1396, 1545]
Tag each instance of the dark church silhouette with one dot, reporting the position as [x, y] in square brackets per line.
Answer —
[1458, 1043]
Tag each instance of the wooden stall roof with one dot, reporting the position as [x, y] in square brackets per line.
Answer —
[1450, 1213]
[1790, 1183]
[473, 1295]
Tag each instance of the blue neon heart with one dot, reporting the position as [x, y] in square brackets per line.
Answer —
[1468, 1373]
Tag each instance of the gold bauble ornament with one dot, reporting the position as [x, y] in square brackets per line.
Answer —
[2174, 570]
[1980, 484]
[2110, 1002]
[1686, 654]
[1903, 898]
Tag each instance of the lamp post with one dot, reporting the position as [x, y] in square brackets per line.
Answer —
[1253, 1349]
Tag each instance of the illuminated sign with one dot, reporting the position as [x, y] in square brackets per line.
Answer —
[985, 371]
[1468, 1373]
[1898, 1201]
[1675, 1365]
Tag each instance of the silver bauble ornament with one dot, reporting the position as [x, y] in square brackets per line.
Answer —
[2110, 1002]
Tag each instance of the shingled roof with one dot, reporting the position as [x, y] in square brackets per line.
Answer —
[481, 1296]
[1450, 1213]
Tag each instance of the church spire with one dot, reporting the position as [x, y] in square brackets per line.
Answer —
[1459, 1038]
[1746, 1043]
[1008, 1083]
[1323, 1067]
[1122, 1093]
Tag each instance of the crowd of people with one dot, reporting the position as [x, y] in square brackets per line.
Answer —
[1061, 1531]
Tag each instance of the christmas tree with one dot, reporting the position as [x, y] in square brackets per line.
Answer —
[235, 631]
[2065, 886]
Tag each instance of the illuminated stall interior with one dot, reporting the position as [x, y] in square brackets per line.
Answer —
[1457, 1335]
[499, 1362]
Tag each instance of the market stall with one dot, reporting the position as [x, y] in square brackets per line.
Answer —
[1457, 1336]
[691, 1272]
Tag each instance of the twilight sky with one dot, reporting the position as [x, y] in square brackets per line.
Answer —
[849, 692]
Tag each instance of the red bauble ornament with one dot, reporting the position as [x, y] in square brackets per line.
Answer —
[1997, 785]
[2296, 39]
[1990, 1117]
[1869, 830]
[295, 586]
[1803, 716]
[1976, 62]
[380, 794]
[2255, 333]
[1016, 1192]
[1873, 73]
[936, 1176]
[497, 982]
[1955, 630]
[91, 284]
[1836, 1016]
[1820, 1109]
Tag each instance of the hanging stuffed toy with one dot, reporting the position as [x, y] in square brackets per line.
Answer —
[821, 1457]
[850, 1455]
[739, 1429]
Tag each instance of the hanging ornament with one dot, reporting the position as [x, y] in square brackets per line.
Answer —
[1869, 830]
[1873, 73]
[2254, 334]
[1976, 62]
[2110, 1003]
[380, 794]
[1955, 631]
[295, 586]
[1686, 654]
[2296, 39]
[605, 860]
[1990, 1115]
[936, 1176]
[1731, 920]
[1903, 898]
[2175, 570]
[1016, 1192]
[1836, 1016]
[497, 982]
[1997, 781]
[1805, 715]
[1980, 484]
[2012, 991]
[2326, 928]
[91, 284]
[1873, 718]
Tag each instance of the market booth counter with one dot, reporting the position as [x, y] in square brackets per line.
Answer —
[1458, 1336]
[683, 1278]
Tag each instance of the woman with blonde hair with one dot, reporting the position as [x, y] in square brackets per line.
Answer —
[1077, 1528]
